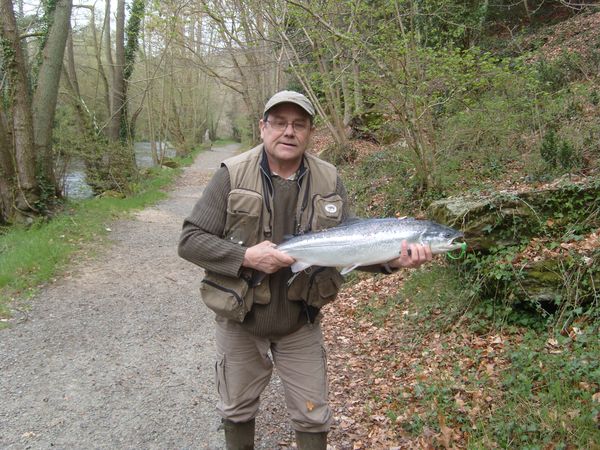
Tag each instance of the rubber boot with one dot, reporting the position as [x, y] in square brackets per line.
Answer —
[311, 441]
[239, 436]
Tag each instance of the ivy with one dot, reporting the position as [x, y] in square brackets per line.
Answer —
[132, 33]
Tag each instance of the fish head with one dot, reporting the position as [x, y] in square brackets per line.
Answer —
[441, 238]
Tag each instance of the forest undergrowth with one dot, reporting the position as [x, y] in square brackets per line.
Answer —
[426, 358]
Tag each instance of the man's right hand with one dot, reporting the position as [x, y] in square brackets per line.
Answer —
[266, 258]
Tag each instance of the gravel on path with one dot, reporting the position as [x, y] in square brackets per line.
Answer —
[118, 353]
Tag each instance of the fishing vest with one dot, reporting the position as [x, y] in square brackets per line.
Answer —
[250, 221]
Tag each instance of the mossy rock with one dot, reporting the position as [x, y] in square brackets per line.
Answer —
[548, 280]
[171, 164]
[506, 219]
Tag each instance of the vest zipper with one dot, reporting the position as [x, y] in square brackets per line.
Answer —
[268, 187]
[303, 205]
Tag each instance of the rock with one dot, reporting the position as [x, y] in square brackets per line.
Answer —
[171, 164]
[510, 218]
[549, 280]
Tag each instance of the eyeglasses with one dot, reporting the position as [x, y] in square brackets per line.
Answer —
[281, 125]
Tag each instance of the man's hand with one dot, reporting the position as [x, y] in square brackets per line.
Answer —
[417, 255]
[266, 258]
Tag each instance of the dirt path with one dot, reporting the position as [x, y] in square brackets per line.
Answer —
[119, 353]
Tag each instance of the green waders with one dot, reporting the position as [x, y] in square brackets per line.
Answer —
[239, 436]
[311, 441]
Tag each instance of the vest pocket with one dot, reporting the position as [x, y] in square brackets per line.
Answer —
[316, 288]
[244, 208]
[228, 297]
[262, 293]
[327, 211]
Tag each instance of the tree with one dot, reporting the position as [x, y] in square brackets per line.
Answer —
[28, 116]
[7, 171]
[117, 91]
[22, 192]
[46, 91]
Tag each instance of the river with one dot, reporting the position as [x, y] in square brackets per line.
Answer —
[75, 185]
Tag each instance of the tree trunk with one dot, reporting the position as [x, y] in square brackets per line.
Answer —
[7, 172]
[20, 104]
[358, 96]
[181, 148]
[110, 63]
[98, 54]
[46, 92]
[127, 131]
[118, 79]
[347, 99]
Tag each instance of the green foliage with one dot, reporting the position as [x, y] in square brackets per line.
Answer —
[379, 184]
[428, 289]
[132, 32]
[559, 152]
[7, 69]
[549, 148]
[112, 170]
[108, 166]
[548, 391]
[569, 66]
[439, 287]
[482, 139]
[506, 276]
[555, 75]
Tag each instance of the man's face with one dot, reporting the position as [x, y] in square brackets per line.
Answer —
[286, 133]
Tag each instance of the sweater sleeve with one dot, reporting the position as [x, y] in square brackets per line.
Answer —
[200, 241]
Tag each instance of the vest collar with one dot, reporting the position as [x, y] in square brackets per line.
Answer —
[266, 170]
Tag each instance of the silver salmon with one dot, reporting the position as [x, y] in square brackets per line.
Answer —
[367, 241]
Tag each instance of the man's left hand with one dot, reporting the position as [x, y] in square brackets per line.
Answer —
[417, 255]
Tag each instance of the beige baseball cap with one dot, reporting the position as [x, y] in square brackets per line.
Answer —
[291, 97]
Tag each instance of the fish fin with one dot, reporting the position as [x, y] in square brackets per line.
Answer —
[348, 269]
[298, 266]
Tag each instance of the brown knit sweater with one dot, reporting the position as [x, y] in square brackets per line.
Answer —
[201, 244]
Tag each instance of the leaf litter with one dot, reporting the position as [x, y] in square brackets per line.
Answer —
[381, 372]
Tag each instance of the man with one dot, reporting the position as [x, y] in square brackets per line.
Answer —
[251, 203]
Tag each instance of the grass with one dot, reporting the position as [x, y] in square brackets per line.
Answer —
[34, 255]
